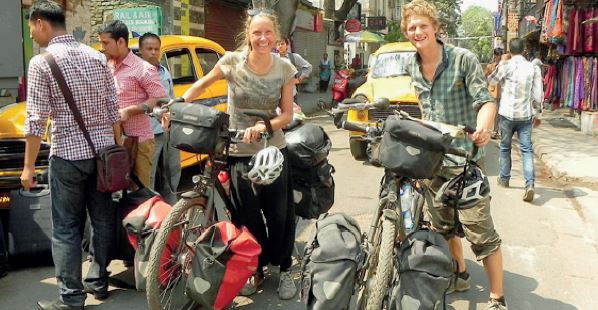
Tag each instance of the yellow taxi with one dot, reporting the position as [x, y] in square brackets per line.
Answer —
[187, 58]
[386, 78]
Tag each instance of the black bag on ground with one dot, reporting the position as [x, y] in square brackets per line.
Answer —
[330, 263]
[311, 174]
[411, 149]
[30, 222]
[426, 269]
[196, 128]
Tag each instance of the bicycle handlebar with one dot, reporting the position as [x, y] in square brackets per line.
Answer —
[165, 103]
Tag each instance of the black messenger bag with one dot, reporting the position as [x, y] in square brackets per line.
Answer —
[412, 149]
[196, 128]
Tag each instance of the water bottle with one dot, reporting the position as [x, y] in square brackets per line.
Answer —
[406, 203]
[224, 179]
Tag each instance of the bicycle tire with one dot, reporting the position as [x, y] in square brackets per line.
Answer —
[182, 212]
[384, 265]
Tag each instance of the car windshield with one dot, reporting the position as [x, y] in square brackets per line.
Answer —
[391, 64]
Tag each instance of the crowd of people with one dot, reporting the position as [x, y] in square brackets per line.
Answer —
[116, 92]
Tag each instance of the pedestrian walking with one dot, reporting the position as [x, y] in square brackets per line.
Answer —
[166, 168]
[494, 89]
[450, 86]
[73, 169]
[303, 67]
[325, 71]
[520, 105]
[258, 80]
[138, 87]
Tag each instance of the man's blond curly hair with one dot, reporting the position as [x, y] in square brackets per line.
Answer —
[419, 8]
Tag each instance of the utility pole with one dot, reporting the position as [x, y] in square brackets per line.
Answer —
[505, 28]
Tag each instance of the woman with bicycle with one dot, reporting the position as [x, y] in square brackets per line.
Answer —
[258, 80]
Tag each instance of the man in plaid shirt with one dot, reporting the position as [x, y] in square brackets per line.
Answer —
[138, 87]
[451, 88]
[73, 172]
[520, 103]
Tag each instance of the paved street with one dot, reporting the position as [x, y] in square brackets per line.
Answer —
[550, 246]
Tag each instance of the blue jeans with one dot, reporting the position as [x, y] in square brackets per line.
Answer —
[74, 195]
[524, 132]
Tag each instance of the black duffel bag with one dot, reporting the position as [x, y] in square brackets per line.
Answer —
[197, 129]
[412, 149]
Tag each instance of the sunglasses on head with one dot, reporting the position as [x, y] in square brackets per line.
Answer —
[254, 12]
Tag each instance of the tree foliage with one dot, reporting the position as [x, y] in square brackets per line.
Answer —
[477, 21]
[449, 13]
[394, 32]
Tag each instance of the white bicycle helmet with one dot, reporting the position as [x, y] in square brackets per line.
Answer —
[266, 166]
[475, 189]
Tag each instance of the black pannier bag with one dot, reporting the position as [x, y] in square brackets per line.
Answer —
[412, 149]
[308, 145]
[196, 128]
[312, 182]
[426, 269]
[330, 263]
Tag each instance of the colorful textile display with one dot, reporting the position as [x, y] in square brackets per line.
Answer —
[572, 82]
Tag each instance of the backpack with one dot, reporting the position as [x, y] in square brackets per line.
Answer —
[312, 184]
[225, 257]
[426, 269]
[142, 226]
[330, 263]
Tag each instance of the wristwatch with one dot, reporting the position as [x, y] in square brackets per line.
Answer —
[146, 108]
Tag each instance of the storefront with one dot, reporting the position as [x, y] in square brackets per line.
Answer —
[224, 21]
[571, 79]
[309, 38]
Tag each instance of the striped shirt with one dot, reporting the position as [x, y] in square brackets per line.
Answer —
[92, 86]
[137, 81]
[521, 84]
[456, 93]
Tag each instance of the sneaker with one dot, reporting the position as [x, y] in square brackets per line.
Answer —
[99, 295]
[494, 304]
[252, 284]
[502, 183]
[528, 196]
[286, 286]
[458, 284]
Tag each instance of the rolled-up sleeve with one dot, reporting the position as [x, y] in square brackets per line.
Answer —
[111, 97]
[38, 98]
[477, 87]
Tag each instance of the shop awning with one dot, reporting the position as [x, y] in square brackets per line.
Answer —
[365, 37]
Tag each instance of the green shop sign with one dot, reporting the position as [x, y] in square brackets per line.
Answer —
[140, 20]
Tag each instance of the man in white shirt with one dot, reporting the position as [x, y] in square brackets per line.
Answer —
[303, 67]
[520, 103]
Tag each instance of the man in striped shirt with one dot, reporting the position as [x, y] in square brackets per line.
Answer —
[520, 103]
[138, 87]
[73, 172]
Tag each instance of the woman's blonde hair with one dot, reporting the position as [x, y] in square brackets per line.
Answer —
[419, 8]
[243, 36]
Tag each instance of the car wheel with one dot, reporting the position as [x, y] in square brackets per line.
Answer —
[358, 149]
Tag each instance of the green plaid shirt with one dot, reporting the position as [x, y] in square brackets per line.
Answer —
[456, 94]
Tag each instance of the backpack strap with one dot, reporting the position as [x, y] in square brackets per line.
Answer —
[68, 97]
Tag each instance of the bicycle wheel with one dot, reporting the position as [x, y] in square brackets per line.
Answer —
[167, 272]
[384, 266]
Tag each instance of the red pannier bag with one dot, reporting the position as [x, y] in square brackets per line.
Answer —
[225, 257]
[142, 226]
